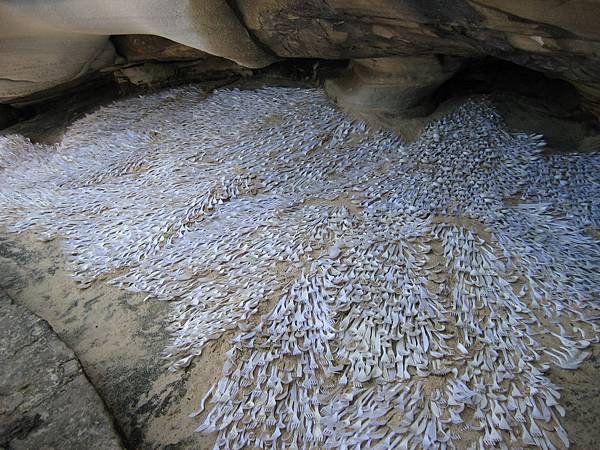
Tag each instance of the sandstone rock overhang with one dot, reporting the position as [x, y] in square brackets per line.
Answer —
[45, 44]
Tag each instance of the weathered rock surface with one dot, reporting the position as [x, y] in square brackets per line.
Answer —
[562, 38]
[144, 47]
[44, 44]
[45, 399]
[47, 44]
[153, 61]
[393, 85]
[118, 338]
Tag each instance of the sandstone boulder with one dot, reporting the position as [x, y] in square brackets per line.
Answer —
[560, 39]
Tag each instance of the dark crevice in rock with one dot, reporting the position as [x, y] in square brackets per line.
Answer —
[44, 117]
[488, 75]
[10, 115]
[116, 425]
[304, 69]
[85, 85]
[529, 101]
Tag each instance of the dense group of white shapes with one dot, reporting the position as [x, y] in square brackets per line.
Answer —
[418, 293]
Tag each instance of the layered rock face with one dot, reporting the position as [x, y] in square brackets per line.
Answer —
[44, 44]
[561, 39]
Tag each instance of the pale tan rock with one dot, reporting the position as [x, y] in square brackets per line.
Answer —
[43, 44]
[32, 62]
[394, 85]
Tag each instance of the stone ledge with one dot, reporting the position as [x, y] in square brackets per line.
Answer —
[46, 401]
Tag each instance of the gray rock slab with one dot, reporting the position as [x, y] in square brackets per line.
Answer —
[46, 401]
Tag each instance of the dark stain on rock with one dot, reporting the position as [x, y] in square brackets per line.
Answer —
[122, 388]
[18, 254]
[448, 11]
[19, 429]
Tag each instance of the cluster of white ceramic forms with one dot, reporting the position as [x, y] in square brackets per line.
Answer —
[414, 296]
